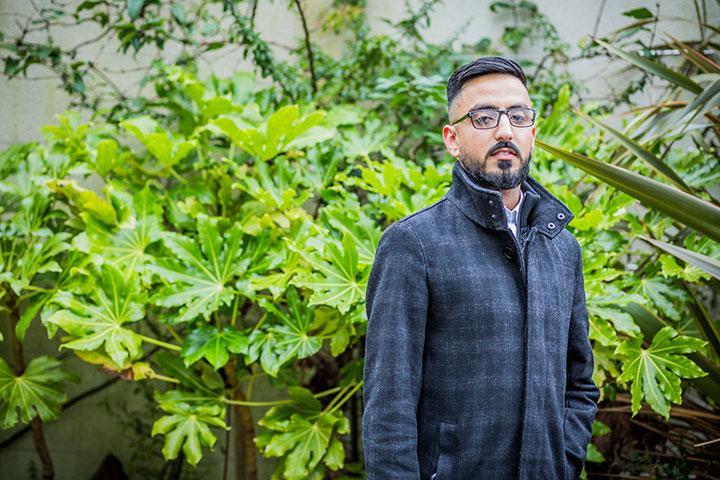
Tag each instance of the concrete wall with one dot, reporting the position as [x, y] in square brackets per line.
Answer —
[89, 430]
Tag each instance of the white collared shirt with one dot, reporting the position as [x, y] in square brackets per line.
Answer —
[512, 215]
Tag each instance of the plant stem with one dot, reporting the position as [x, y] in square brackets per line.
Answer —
[234, 310]
[174, 334]
[159, 343]
[246, 403]
[347, 397]
[48, 471]
[165, 378]
[337, 397]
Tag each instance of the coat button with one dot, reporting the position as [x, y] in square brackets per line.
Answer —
[491, 202]
[509, 253]
[493, 216]
[551, 225]
[560, 216]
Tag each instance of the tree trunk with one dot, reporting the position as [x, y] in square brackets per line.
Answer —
[48, 471]
[245, 452]
[244, 430]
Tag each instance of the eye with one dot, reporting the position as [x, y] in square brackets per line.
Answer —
[521, 117]
[484, 119]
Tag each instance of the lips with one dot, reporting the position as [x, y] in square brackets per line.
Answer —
[504, 153]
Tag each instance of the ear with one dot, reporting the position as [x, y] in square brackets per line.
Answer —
[534, 134]
[452, 143]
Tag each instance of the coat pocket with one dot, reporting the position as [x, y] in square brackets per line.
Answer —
[447, 449]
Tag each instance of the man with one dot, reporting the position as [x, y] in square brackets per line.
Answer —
[478, 363]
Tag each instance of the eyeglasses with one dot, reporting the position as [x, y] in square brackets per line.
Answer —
[484, 118]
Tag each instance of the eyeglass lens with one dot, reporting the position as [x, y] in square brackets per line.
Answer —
[489, 118]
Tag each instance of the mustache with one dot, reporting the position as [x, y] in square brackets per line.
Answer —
[501, 145]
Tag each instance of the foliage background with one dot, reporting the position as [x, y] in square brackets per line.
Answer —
[415, 50]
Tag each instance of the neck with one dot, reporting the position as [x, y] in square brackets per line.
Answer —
[511, 197]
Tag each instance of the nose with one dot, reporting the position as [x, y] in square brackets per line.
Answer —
[503, 131]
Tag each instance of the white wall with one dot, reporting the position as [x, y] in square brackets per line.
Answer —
[29, 104]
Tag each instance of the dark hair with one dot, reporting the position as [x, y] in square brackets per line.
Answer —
[479, 67]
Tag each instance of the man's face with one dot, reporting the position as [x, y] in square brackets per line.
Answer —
[499, 155]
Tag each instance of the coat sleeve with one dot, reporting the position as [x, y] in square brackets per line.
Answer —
[396, 304]
[581, 393]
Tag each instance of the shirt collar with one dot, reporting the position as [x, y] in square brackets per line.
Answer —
[484, 206]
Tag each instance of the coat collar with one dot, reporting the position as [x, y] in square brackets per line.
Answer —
[484, 206]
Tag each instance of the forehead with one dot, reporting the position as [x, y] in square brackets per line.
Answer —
[497, 89]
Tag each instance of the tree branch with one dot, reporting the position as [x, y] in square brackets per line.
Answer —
[308, 47]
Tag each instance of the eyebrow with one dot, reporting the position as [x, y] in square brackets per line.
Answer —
[478, 106]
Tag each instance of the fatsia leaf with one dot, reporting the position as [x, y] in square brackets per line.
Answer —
[304, 435]
[202, 272]
[285, 129]
[172, 365]
[168, 149]
[288, 338]
[350, 220]
[336, 278]
[213, 345]
[84, 200]
[38, 256]
[126, 244]
[263, 346]
[38, 392]
[292, 337]
[656, 372]
[99, 319]
[668, 298]
[188, 423]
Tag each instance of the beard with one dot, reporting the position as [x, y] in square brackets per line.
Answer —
[506, 178]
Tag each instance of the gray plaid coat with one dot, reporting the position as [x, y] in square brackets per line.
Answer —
[478, 363]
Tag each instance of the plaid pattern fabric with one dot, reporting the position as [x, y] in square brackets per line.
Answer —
[478, 363]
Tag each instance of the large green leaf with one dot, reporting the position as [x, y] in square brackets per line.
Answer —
[651, 325]
[656, 372]
[278, 193]
[304, 435]
[127, 243]
[172, 365]
[38, 256]
[293, 338]
[99, 319]
[349, 219]
[683, 207]
[187, 425]
[287, 337]
[84, 200]
[166, 148]
[284, 130]
[654, 68]
[201, 274]
[38, 392]
[336, 278]
[213, 345]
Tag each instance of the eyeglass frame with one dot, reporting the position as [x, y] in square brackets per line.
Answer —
[500, 112]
